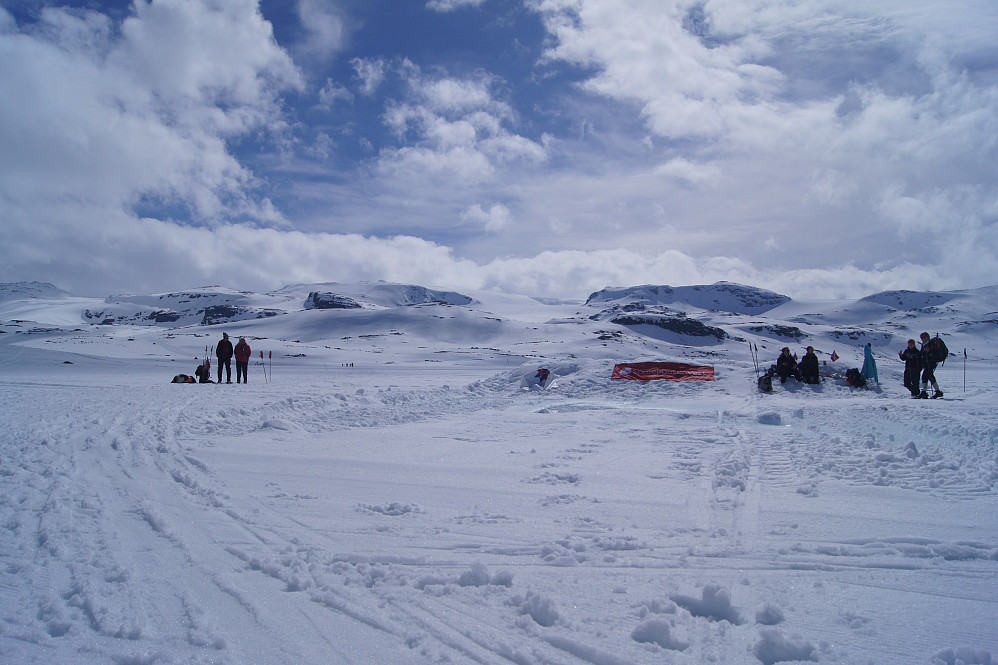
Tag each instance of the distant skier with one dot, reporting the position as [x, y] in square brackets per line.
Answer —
[242, 353]
[224, 354]
[786, 366]
[869, 370]
[542, 375]
[912, 358]
[932, 355]
[809, 368]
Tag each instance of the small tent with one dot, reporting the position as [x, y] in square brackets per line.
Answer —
[652, 371]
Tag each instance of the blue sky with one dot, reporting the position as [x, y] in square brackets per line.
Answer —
[547, 147]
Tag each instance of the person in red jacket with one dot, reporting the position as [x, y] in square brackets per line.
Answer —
[242, 353]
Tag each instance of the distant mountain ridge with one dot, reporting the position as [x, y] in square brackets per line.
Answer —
[707, 318]
[721, 296]
[30, 290]
[911, 300]
[209, 305]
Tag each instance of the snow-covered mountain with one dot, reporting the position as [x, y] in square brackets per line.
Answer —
[30, 290]
[722, 296]
[654, 321]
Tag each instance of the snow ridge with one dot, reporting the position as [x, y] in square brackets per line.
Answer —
[721, 296]
[30, 290]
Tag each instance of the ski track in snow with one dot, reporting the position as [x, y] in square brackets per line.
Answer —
[593, 523]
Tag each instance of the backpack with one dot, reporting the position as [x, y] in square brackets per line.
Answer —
[766, 383]
[937, 350]
[855, 378]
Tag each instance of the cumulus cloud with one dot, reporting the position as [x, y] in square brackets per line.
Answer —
[324, 26]
[333, 93]
[724, 140]
[496, 218]
[109, 120]
[451, 5]
[453, 127]
[879, 143]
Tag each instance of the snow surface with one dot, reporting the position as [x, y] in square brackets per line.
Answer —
[400, 491]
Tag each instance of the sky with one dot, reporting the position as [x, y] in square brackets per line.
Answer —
[822, 149]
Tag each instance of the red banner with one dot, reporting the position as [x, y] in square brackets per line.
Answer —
[667, 371]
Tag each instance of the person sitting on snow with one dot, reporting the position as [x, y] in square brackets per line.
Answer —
[542, 375]
[202, 374]
[786, 366]
[809, 367]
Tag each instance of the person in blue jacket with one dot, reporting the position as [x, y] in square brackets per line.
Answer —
[869, 370]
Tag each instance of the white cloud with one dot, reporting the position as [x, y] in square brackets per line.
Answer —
[453, 128]
[858, 119]
[324, 26]
[496, 218]
[333, 93]
[688, 172]
[370, 72]
[105, 120]
[754, 148]
[164, 255]
[452, 5]
[451, 95]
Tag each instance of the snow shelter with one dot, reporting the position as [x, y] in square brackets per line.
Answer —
[652, 371]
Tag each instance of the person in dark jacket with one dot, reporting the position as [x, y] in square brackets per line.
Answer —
[809, 367]
[786, 366]
[929, 363]
[912, 358]
[224, 354]
[202, 374]
[242, 353]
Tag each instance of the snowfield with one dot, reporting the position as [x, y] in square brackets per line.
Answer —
[400, 492]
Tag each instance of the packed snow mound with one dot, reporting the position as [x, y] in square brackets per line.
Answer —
[721, 296]
[30, 291]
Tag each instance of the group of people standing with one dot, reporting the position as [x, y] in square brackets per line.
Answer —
[922, 360]
[224, 352]
[920, 364]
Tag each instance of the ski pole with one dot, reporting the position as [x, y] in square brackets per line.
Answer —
[964, 369]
